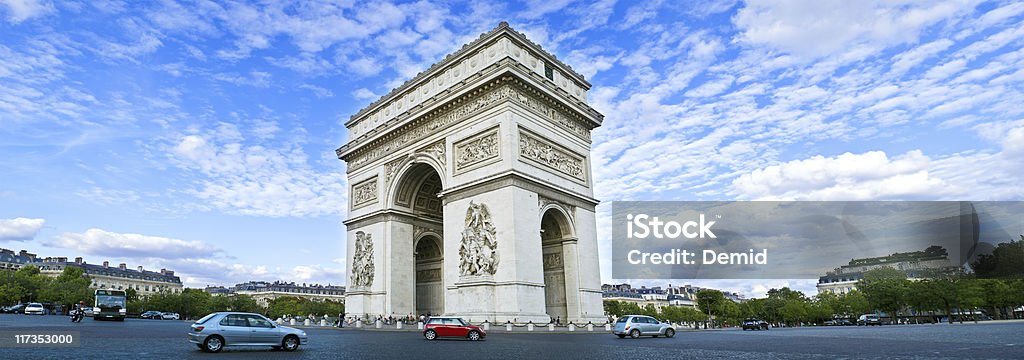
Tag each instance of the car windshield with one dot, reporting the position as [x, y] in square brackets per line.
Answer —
[622, 319]
[110, 301]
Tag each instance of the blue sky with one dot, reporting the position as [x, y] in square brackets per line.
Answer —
[199, 136]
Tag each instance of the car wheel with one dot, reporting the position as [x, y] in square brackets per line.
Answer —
[634, 334]
[474, 335]
[213, 344]
[621, 336]
[430, 335]
[291, 342]
[670, 333]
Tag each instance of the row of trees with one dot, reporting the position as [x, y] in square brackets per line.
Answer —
[194, 303]
[27, 284]
[882, 290]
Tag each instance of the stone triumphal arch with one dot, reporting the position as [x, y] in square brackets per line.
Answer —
[471, 190]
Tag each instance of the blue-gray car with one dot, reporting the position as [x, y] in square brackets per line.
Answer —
[215, 331]
[636, 326]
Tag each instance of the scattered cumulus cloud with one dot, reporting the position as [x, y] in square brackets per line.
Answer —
[20, 229]
[107, 243]
[21, 10]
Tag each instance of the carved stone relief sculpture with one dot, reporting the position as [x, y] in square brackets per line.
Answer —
[364, 193]
[533, 148]
[479, 249]
[476, 150]
[362, 261]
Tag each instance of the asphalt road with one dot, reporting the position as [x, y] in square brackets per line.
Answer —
[152, 339]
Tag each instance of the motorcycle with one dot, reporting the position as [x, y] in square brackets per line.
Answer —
[77, 315]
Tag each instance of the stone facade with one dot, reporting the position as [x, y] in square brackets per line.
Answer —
[481, 203]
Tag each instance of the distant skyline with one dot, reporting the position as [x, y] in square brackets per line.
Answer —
[200, 136]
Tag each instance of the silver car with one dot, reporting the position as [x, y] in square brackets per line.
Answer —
[639, 325]
[215, 331]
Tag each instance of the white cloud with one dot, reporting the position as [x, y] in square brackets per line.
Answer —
[21, 10]
[319, 92]
[258, 79]
[20, 229]
[256, 177]
[868, 176]
[109, 196]
[364, 94]
[203, 272]
[819, 28]
[106, 243]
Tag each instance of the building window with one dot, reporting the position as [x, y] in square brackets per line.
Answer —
[549, 72]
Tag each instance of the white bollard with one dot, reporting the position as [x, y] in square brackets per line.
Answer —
[398, 325]
[306, 322]
[590, 327]
[359, 324]
[551, 327]
[572, 327]
[607, 327]
[291, 322]
[419, 325]
[529, 327]
[508, 326]
[323, 322]
[377, 324]
[487, 326]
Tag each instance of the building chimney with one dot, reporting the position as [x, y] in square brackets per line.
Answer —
[78, 260]
[62, 259]
[123, 266]
[106, 264]
[140, 268]
[163, 271]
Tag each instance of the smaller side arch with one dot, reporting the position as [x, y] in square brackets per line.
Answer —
[557, 215]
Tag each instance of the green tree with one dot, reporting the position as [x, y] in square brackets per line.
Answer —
[710, 301]
[613, 308]
[70, 287]
[970, 297]
[998, 295]
[1006, 261]
[886, 289]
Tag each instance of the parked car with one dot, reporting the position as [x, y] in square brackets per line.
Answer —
[152, 314]
[449, 326]
[215, 331]
[640, 325]
[755, 324]
[868, 320]
[35, 309]
[170, 316]
[15, 309]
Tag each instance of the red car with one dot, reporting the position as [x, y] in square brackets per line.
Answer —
[446, 326]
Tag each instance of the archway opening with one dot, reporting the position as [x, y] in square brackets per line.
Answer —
[417, 194]
[554, 229]
[429, 288]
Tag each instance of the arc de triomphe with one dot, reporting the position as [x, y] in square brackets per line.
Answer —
[471, 192]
